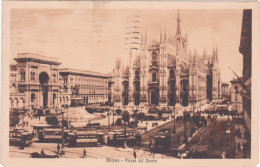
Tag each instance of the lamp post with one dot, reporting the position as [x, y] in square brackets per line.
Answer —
[23, 117]
[62, 129]
[174, 126]
[185, 115]
[113, 115]
[66, 107]
[108, 114]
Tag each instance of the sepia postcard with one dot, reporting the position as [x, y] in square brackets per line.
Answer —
[130, 83]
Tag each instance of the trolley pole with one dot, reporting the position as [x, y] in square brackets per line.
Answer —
[113, 116]
[174, 126]
[67, 114]
[62, 130]
[108, 117]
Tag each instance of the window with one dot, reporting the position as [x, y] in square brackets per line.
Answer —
[171, 73]
[32, 76]
[54, 78]
[154, 58]
[22, 73]
[154, 77]
[32, 97]
[137, 74]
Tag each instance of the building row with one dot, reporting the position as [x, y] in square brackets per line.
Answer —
[39, 81]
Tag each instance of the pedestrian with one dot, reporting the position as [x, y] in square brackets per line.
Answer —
[178, 139]
[58, 148]
[42, 152]
[151, 150]
[244, 147]
[150, 145]
[134, 154]
[223, 155]
[22, 145]
[84, 153]
[238, 146]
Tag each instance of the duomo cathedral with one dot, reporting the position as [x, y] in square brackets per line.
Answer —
[166, 73]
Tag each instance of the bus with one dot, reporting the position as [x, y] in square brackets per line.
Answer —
[20, 137]
[52, 135]
[86, 137]
[117, 137]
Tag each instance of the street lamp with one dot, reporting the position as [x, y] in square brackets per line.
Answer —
[174, 126]
[113, 115]
[185, 117]
[66, 107]
[108, 114]
[62, 129]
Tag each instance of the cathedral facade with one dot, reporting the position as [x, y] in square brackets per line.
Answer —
[166, 73]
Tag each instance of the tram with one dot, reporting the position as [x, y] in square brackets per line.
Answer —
[86, 138]
[163, 139]
[52, 135]
[117, 137]
[20, 137]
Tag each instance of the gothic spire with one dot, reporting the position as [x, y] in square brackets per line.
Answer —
[216, 53]
[165, 36]
[213, 54]
[161, 36]
[178, 32]
[195, 56]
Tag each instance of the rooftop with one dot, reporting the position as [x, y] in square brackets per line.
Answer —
[37, 58]
[82, 72]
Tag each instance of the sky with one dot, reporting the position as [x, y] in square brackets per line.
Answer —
[91, 39]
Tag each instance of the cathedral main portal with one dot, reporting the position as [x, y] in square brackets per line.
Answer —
[153, 96]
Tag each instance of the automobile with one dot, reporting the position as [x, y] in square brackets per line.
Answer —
[38, 155]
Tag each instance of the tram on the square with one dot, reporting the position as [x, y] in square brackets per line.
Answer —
[20, 137]
[117, 137]
[86, 138]
[162, 139]
[52, 135]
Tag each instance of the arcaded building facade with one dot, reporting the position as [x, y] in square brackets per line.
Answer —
[165, 72]
[39, 81]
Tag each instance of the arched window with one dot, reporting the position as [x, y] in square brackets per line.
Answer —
[32, 97]
[22, 73]
[137, 86]
[154, 77]
[32, 76]
[154, 55]
[171, 73]
[137, 74]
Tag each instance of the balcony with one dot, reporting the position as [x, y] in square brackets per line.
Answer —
[153, 83]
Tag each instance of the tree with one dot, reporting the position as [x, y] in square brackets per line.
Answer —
[65, 123]
[14, 118]
[53, 120]
[140, 116]
[125, 118]
[119, 122]
[159, 113]
[118, 111]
